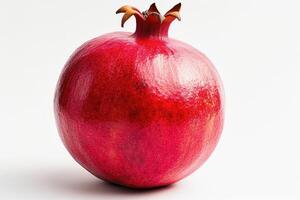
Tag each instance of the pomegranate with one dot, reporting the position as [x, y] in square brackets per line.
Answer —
[140, 110]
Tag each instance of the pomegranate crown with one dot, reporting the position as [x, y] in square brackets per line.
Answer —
[150, 23]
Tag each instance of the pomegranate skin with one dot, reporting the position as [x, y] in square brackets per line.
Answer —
[139, 112]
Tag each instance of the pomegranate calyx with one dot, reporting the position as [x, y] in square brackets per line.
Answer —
[150, 23]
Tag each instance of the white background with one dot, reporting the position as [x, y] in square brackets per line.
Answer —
[255, 46]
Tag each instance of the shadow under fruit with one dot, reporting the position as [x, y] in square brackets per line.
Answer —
[140, 110]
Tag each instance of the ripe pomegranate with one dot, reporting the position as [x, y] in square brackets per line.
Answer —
[140, 110]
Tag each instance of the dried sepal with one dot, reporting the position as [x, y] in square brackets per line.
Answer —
[174, 12]
[153, 14]
[153, 8]
[128, 12]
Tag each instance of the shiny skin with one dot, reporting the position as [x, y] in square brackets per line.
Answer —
[139, 112]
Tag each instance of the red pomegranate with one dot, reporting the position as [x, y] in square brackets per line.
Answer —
[140, 110]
